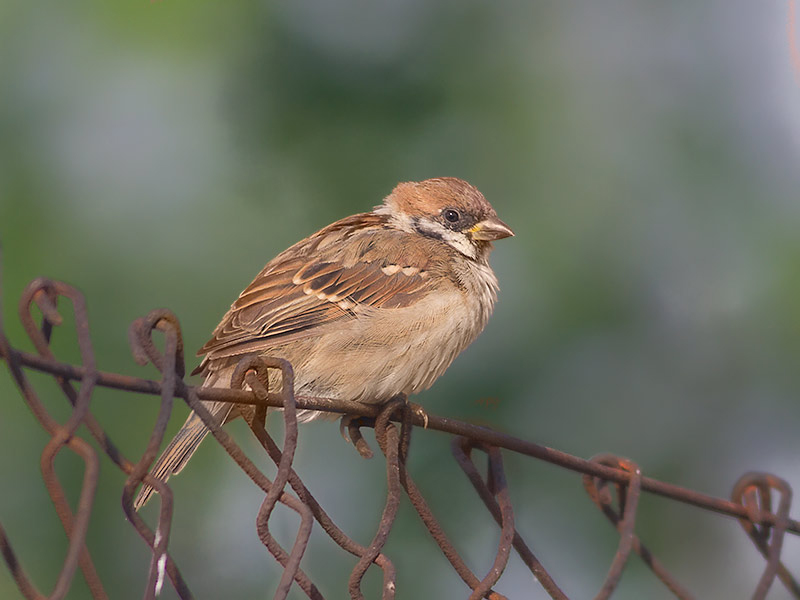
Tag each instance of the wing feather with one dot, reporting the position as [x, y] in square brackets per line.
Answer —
[320, 281]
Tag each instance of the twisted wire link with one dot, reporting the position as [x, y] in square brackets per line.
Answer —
[498, 488]
[253, 372]
[171, 365]
[417, 498]
[461, 448]
[45, 294]
[319, 514]
[390, 443]
[624, 520]
[754, 492]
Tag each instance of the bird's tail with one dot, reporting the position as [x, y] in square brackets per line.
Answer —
[181, 448]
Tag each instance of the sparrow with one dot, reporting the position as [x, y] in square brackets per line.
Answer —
[372, 306]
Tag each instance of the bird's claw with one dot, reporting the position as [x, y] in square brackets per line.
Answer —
[344, 425]
[418, 411]
[349, 428]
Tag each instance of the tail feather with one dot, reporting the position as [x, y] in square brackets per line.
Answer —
[181, 448]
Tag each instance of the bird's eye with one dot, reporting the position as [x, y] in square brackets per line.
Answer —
[451, 215]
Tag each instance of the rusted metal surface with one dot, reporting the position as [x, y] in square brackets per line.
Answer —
[751, 502]
[754, 491]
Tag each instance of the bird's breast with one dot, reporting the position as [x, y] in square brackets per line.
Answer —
[386, 351]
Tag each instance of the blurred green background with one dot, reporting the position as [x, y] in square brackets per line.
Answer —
[157, 154]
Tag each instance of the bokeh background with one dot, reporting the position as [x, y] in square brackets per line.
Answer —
[157, 154]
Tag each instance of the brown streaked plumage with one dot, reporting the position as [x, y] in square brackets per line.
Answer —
[372, 306]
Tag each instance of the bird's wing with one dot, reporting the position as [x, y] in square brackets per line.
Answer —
[332, 276]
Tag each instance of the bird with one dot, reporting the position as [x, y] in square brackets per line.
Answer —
[371, 307]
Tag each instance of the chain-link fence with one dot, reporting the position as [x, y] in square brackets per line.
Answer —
[760, 501]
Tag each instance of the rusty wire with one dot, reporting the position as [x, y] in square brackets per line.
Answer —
[751, 503]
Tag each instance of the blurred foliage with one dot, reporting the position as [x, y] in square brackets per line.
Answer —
[159, 153]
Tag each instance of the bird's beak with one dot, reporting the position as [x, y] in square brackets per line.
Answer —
[490, 229]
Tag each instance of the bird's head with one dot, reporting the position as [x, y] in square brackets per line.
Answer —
[447, 209]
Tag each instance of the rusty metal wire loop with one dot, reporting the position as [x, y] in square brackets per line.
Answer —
[171, 365]
[252, 371]
[754, 492]
[624, 520]
[44, 294]
[461, 448]
[389, 441]
[250, 391]
[498, 489]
